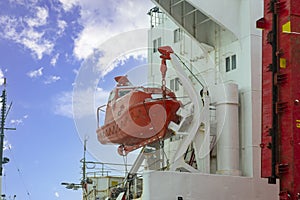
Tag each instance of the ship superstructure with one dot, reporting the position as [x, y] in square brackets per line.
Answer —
[222, 49]
[212, 50]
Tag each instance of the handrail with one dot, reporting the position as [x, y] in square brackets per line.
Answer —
[98, 116]
[186, 67]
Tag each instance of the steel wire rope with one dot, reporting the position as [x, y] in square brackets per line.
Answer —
[4, 180]
[125, 164]
[189, 70]
[167, 159]
[153, 163]
[20, 174]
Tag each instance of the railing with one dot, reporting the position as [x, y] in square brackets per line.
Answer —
[156, 17]
[98, 114]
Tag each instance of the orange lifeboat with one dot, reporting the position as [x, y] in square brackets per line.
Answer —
[136, 116]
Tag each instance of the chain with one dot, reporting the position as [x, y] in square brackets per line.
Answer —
[163, 70]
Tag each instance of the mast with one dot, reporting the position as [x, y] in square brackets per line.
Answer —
[4, 113]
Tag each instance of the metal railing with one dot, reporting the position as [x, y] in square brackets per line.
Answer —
[98, 114]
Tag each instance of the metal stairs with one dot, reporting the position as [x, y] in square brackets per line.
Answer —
[196, 23]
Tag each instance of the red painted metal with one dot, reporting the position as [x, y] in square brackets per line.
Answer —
[137, 116]
[287, 80]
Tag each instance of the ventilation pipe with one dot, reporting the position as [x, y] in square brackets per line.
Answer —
[226, 102]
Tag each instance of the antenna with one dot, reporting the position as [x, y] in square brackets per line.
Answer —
[84, 161]
[3, 114]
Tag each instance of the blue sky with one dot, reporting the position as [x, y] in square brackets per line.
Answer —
[58, 55]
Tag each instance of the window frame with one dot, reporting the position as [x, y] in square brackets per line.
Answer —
[230, 63]
[177, 35]
[156, 44]
[174, 84]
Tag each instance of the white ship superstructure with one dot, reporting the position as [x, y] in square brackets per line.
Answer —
[219, 43]
[214, 67]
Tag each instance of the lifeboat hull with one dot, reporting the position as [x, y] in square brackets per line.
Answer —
[139, 124]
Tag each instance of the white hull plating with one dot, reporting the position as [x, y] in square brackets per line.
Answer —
[194, 186]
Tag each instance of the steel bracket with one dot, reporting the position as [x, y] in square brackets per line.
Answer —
[281, 78]
[282, 169]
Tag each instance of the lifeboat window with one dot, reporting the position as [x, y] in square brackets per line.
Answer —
[111, 95]
[123, 92]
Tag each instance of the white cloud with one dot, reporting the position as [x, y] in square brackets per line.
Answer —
[6, 145]
[52, 79]
[31, 29]
[102, 20]
[75, 71]
[61, 24]
[16, 122]
[86, 102]
[37, 46]
[101, 97]
[23, 2]
[63, 104]
[54, 59]
[56, 194]
[35, 73]
[130, 44]
[83, 103]
[68, 4]
[1, 77]
[26, 34]
[40, 19]
[20, 2]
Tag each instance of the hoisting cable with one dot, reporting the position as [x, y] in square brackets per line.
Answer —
[125, 164]
[21, 176]
[8, 110]
[163, 70]
[4, 188]
[166, 156]
[189, 70]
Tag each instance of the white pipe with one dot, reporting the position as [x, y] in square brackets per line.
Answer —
[227, 129]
